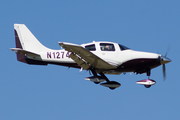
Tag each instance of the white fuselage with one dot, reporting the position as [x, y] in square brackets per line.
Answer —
[109, 57]
[116, 57]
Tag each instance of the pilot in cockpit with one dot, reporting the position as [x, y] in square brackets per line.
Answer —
[108, 48]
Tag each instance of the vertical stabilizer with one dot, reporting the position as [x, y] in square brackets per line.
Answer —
[26, 40]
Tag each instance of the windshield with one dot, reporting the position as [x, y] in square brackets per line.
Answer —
[122, 47]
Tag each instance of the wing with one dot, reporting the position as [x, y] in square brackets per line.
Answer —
[85, 58]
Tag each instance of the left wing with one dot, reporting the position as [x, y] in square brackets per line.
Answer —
[85, 58]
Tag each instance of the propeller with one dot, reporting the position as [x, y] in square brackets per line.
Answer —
[164, 60]
[167, 51]
[164, 71]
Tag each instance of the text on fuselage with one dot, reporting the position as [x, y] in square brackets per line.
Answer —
[58, 55]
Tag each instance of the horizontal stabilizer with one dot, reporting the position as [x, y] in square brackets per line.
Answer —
[21, 51]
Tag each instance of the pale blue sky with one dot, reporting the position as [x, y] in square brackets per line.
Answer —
[29, 92]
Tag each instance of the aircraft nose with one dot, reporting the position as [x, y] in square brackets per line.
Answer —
[164, 60]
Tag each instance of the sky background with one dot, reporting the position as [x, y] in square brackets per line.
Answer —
[29, 92]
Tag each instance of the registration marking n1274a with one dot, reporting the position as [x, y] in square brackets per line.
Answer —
[58, 55]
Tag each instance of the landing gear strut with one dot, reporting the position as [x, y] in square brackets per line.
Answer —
[111, 84]
[148, 74]
[95, 75]
[102, 74]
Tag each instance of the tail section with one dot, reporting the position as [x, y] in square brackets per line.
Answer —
[27, 44]
[20, 57]
[26, 40]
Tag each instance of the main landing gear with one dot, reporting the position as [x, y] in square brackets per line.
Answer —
[113, 84]
[97, 79]
[147, 82]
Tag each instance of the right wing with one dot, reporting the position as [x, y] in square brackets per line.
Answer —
[85, 58]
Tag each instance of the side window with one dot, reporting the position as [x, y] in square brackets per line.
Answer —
[107, 47]
[90, 47]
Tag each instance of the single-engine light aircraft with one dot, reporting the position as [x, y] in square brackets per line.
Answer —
[99, 58]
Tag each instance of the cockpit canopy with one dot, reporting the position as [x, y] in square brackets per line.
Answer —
[105, 47]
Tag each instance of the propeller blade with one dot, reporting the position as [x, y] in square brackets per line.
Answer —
[164, 71]
[167, 51]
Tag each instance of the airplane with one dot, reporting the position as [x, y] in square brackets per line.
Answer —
[99, 58]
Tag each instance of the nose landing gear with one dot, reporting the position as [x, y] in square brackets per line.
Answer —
[147, 82]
